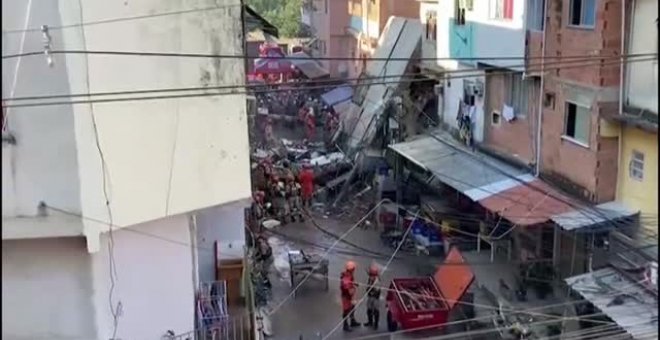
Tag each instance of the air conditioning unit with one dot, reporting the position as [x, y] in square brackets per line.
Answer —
[438, 89]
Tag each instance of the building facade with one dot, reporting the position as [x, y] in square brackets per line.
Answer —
[328, 20]
[638, 121]
[146, 170]
[481, 29]
[367, 20]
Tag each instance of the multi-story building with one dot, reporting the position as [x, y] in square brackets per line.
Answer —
[483, 29]
[638, 134]
[328, 20]
[367, 19]
[104, 197]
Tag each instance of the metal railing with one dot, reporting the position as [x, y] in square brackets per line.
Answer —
[232, 328]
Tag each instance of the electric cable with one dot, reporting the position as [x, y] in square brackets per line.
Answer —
[244, 56]
[355, 306]
[324, 256]
[333, 82]
[121, 19]
[233, 92]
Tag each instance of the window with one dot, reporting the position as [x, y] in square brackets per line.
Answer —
[495, 118]
[549, 100]
[459, 12]
[501, 9]
[520, 91]
[578, 121]
[636, 167]
[583, 13]
[535, 14]
[431, 25]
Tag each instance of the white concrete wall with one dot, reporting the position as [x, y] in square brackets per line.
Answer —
[642, 87]
[449, 103]
[154, 280]
[491, 37]
[47, 290]
[42, 165]
[225, 224]
[163, 157]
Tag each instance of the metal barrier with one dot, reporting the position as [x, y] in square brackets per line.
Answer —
[232, 328]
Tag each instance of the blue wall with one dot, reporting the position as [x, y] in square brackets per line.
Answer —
[356, 23]
[461, 41]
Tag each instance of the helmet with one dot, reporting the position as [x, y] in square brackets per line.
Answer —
[350, 266]
[373, 270]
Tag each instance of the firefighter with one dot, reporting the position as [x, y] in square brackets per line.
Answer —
[306, 179]
[268, 132]
[310, 124]
[348, 287]
[373, 296]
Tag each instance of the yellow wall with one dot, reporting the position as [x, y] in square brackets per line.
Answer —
[642, 195]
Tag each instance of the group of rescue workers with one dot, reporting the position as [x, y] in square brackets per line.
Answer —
[282, 193]
[348, 290]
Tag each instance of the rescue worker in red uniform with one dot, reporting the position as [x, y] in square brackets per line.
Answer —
[373, 296]
[348, 288]
[310, 125]
[306, 179]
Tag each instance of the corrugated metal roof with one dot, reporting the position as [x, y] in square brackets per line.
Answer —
[456, 168]
[635, 310]
[532, 203]
[308, 66]
[590, 217]
[337, 95]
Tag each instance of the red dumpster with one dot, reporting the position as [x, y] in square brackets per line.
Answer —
[425, 302]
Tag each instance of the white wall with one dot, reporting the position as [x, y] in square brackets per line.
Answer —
[154, 280]
[449, 104]
[43, 165]
[165, 156]
[642, 89]
[225, 224]
[429, 49]
[491, 37]
[47, 290]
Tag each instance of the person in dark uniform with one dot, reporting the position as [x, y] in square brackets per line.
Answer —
[373, 297]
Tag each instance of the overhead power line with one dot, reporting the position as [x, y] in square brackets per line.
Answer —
[123, 19]
[313, 82]
[243, 56]
[234, 88]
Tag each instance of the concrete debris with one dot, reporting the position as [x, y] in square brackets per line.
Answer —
[270, 224]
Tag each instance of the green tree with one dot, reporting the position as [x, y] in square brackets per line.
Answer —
[284, 14]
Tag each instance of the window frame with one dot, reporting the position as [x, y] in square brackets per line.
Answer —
[431, 25]
[573, 139]
[636, 173]
[493, 5]
[459, 13]
[571, 14]
[538, 23]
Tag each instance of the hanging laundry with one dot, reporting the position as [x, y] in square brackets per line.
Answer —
[507, 113]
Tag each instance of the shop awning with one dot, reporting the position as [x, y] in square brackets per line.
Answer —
[601, 215]
[308, 66]
[457, 169]
[337, 95]
[527, 204]
[626, 302]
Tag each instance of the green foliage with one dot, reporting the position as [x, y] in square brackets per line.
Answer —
[284, 14]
